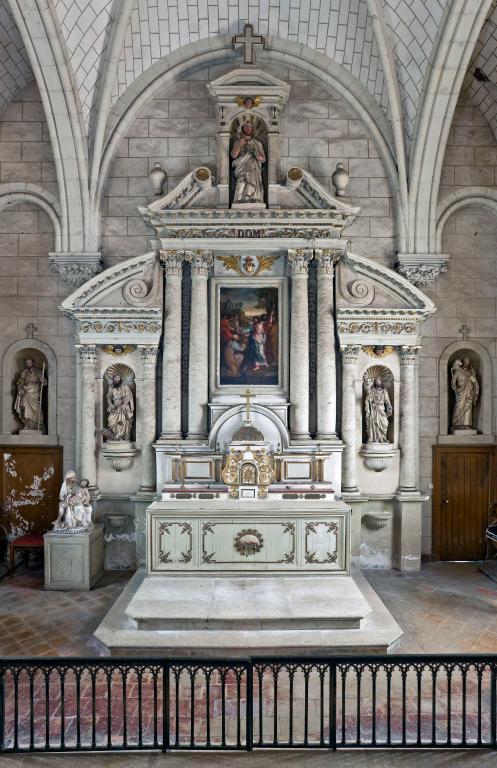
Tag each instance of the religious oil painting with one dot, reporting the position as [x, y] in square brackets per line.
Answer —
[249, 335]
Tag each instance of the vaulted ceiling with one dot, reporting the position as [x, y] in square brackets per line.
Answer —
[407, 57]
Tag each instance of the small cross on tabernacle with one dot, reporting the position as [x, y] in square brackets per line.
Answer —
[464, 330]
[31, 330]
[249, 41]
[248, 396]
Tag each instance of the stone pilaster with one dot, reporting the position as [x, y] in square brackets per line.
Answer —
[172, 261]
[350, 354]
[407, 441]
[148, 411]
[198, 373]
[326, 371]
[299, 344]
[88, 462]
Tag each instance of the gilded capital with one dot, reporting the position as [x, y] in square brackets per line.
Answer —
[201, 262]
[148, 354]
[326, 259]
[172, 261]
[298, 260]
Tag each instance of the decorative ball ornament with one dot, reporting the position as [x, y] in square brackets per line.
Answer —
[157, 177]
[340, 179]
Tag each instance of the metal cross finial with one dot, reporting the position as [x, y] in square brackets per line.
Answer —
[248, 396]
[31, 330]
[464, 329]
[249, 41]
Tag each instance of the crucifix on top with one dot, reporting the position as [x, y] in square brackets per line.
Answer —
[248, 397]
[249, 41]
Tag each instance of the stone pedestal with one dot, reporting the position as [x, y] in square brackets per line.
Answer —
[74, 560]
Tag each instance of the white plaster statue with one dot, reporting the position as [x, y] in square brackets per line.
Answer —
[27, 404]
[466, 391]
[248, 156]
[377, 409]
[75, 510]
[120, 410]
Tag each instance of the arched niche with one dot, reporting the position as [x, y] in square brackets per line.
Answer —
[273, 429]
[386, 375]
[260, 132]
[13, 363]
[127, 376]
[482, 363]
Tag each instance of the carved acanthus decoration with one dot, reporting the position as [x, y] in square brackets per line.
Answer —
[421, 274]
[120, 326]
[148, 355]
[75, 273]
[87, 353]
[298, 261]
[201, 262]
[350, 354]
[377, 327]
[408, 355]
[326, 259]
[172, 261]
[248, 266]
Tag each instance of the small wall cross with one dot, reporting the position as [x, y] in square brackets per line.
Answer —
[31, 330]
[249, 41]
[464, 330]
[248, 397]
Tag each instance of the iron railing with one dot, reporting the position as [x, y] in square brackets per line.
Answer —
[74, 704]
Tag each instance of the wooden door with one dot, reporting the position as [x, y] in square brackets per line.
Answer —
[30, 480]
[463, 488]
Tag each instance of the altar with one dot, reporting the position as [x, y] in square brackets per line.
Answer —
[267, 441]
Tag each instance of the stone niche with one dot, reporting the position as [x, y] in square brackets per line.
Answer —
[13, 364]
[479, 358]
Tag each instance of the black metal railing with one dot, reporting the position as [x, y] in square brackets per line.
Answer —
[427, 701]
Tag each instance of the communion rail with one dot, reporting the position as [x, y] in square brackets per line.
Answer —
[75, 704]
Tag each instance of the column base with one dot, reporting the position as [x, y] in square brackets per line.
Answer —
[407, 530]
[146, 492]
[328, 437]
[170, 437]
[351, 491]
[300, 437]
[196, 437]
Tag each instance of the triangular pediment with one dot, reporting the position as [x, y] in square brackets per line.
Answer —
[239, 81]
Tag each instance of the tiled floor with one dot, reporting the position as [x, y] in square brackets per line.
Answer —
[448, 607]
[445, 608]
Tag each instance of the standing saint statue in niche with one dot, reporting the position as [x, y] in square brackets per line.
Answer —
[248, 157]
[27, 404]
[466, 391]
[120, 410]
[377, 410]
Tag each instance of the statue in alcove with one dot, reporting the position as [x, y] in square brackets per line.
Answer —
[120, 410]
[466, 390]
[27, 404]
[377, 409]
[248, 157]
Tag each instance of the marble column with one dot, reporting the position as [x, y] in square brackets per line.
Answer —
[299, 344]
[350, 355]
[326, 372]
[407, 440]
[198, 366]
[88, 461]
[172, 261]
[147, 404]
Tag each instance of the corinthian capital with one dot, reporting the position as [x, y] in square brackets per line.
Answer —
[298, 260]
[350, 353]
[326, 259]
[201, 262]
[408, 355]
[148, 354]
[87, 353]
[172, 261]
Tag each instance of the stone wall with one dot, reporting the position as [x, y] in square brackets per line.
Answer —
[29, 292]
[178, 129]
[467, 292]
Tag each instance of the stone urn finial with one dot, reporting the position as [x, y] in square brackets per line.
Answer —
[340, 179]
[157, 177]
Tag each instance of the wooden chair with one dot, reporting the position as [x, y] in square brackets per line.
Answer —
[26, 543]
